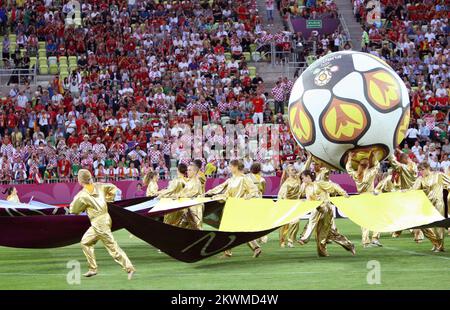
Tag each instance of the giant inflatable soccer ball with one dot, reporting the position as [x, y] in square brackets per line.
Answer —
[349, 101]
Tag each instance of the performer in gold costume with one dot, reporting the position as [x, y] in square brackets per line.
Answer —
[364, 179]
[257, 179]
[260, 182]
[12, 194]
[289, 189]
[433, 184]
[192, 216]
[151, 181]
[93, 199]
[173, 189]
[390, 182]
[237, 186]
[322, 173]
[200, 174]
[405, 170]
[321, 190]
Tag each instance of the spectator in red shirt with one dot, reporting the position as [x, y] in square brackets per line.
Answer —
[258, 108]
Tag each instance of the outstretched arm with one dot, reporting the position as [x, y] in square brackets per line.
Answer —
[218, 189]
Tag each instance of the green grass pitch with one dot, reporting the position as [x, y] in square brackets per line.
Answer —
[403, 265]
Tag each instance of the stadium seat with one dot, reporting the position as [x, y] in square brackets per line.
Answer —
[62, 60]
[43, 69]
[256, 56]
[252, 71]
[12, 38]
[43, 62]
[41, 45]
[42, 53]
[253, 47]
[247, 56]
[310, 59]
[63, 75]
[72, 67]
[54, 68]
[227, 55]
[33, 61]
[72, 60]
[52, 60]
[63, 67]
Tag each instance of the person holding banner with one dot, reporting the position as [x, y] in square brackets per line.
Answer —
[289, 189]
[322, 173]
[93, 199]
[364, 179]
[192, 217]
[151, 181]
[172, 191]
[260, 182]
[200, 174]
[321, 191]
[12, 195]
[405, 170]
[433, 184]
[238, 186]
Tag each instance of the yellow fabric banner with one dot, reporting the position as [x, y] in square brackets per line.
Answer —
[388, 212]
[258, 214]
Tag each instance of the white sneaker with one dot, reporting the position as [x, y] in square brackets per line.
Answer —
[90, 273]
[377, 242]
[130, 274]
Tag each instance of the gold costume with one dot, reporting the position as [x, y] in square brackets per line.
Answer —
[408, 172]
[95, 205]
[314, 216]
[237, 186]
[173, 189]
[290, 189]
[366, 184]
[192, 216]
[320, 191]
[202, 177]
[13, 198]
[387, 185]
[152, 189]
[433, 185]
[259, 181]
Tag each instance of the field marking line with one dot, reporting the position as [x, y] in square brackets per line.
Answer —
[416, 253]
[363, 270]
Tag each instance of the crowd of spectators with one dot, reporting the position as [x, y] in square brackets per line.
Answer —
[413, 37]
[145, 71]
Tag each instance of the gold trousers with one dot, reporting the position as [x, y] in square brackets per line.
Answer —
[288, 232]
[323, 226]
[366, 236]
[193, 217]
[90, 238]
[310, 227]
[312, 224]
[436, 234]
[174, 218]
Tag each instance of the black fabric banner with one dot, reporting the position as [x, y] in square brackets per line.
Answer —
[182, 244]
[444, 223]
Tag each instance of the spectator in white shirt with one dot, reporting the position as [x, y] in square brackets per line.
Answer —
[416, 148]
[434, 163]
